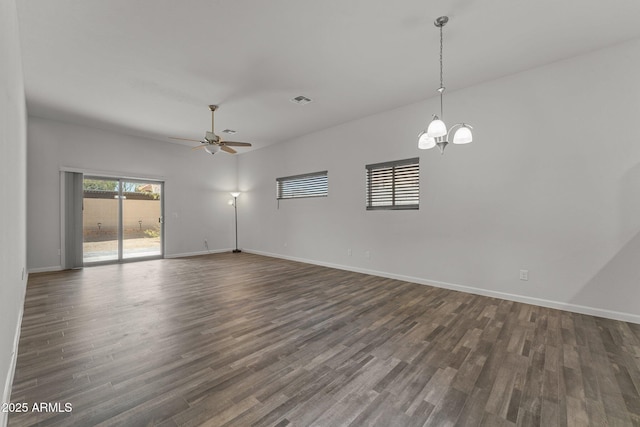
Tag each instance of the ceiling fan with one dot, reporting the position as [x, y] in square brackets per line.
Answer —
[212, 143]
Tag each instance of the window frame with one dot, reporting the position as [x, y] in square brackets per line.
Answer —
[414, 161]
[300, 177]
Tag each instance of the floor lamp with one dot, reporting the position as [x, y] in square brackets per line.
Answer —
[235, 195]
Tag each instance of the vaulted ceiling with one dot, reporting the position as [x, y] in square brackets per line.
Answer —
[151, 67]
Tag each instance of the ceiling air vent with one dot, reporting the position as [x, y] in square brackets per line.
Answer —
[301, 100]
[229, 131]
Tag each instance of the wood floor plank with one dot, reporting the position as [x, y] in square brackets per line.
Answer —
[241, 340]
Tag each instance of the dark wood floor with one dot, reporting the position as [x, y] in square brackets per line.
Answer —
[240, 339]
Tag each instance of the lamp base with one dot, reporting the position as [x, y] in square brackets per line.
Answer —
[235, 251]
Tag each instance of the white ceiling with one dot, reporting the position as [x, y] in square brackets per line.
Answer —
[151, 67]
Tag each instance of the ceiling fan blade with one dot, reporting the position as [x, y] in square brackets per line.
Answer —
[227, 149]
[185, 139]
[199, 146]
[236, 144]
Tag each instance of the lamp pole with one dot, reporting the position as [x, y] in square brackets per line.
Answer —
[235, 208]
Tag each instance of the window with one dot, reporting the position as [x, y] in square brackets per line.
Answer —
[394, 185]
[307, 185]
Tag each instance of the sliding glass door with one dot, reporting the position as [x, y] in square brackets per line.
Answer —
[122, 219]
[100, 219]
[141, 219]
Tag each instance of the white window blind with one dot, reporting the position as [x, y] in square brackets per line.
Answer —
[306, 185]
[394, 185]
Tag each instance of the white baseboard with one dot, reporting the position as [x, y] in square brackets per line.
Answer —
[575, 308]
[592, 311]
[187, 254]
[45, 269]
[6, 394]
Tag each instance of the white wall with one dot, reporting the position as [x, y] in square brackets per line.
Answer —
[196, 185]
[13, 164]
[543, 187]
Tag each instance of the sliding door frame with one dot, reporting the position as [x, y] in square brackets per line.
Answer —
[111, 176]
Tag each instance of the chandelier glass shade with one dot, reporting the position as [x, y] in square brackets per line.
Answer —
[436, 133]
[425, 142]
[436, 128]
[463, 135]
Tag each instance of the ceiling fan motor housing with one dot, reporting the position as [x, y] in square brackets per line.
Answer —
[212, 137]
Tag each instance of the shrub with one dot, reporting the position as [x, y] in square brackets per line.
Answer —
[151, 232]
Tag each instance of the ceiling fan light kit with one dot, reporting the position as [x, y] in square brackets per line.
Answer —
[436, 133]
[211, 148]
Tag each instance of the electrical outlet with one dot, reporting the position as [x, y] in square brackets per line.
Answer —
[348, 252]
[524, 274]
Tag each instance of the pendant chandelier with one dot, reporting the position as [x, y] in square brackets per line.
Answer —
[436, 133]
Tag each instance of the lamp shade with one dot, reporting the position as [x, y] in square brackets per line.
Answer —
[436, 128]
[425, 142]
[235, 193]
[463, 135]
